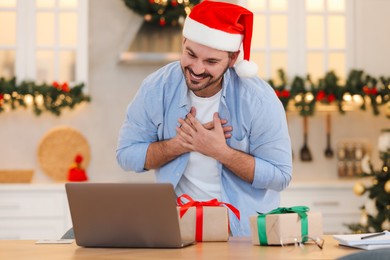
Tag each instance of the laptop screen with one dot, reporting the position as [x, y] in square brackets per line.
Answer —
[124, 214]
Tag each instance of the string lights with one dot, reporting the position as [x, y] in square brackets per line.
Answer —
[52, 98]
[162, 12]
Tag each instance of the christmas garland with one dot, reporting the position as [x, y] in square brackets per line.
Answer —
[162, 12]
[359, 86]
[51, 98]
[303, 93]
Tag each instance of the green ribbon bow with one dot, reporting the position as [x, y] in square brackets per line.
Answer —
[300, 210]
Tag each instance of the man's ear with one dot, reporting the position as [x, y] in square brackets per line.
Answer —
[233, 57]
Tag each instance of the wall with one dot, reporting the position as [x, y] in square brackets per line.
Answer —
[112, 85]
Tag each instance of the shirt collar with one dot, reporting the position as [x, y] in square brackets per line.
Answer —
[226, 82]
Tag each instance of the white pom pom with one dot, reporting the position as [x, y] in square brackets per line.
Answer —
[246, 68]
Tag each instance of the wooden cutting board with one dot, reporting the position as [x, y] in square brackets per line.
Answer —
[58, 149]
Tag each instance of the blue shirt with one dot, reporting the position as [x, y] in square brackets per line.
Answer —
[259, 124]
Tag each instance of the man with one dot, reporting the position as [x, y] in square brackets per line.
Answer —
[207, 128]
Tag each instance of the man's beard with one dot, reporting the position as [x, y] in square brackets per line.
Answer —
[195, 85]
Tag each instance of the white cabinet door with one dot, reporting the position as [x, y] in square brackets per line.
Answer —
[33, 211]
[337, 203]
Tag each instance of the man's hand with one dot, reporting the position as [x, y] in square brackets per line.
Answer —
[161, 152]
[210, 140]
[207, 139]
[209, 125]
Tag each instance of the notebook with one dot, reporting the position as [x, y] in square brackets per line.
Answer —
[367, 241]
[124, 215]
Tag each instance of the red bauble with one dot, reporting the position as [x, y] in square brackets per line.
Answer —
[65, 87]
[285, 93]
[162, 21]
[320, 95]
[331, 98]
[56, 84]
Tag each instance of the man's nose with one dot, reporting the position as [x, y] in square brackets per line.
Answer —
[198, 67]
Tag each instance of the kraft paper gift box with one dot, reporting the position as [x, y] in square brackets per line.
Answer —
[285, 227]
[215, 224]
[204, 221]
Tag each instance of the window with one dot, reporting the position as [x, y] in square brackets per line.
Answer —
[44, 40]
[7, 38]
[301, 37]
[270, 36]
[325, 36]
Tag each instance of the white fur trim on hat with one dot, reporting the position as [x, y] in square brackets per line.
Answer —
[210, 37]
[246, 68]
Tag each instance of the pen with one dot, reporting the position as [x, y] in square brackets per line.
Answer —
[374, 235]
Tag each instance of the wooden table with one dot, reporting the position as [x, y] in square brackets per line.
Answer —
[236, 248]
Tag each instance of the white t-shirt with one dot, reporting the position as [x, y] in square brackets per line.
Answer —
[201, 179]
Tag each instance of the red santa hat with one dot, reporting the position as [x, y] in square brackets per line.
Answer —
[225, 27]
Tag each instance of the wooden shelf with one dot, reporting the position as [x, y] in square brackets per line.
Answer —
[153, 45]
[148, 58]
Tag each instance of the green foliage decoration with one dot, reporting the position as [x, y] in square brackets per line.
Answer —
[41, 98]
[162, 12]
[304, 94]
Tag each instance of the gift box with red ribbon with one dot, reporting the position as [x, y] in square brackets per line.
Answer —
[204, 220]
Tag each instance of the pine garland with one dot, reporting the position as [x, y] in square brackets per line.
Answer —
[328, 91]
[40, 97]
[303, 93]
[162, 12]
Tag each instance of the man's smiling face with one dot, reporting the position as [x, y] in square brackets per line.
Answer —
[203, 67]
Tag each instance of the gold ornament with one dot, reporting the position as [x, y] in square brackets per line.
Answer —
[148, 17]
[363, 219]
[387, 186]
[385, 225]
[359, 188]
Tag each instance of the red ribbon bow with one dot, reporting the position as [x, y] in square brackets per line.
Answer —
[199, 211]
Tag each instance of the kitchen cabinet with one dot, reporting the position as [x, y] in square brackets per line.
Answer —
[31, 211]
[335, 200]
[41, 211]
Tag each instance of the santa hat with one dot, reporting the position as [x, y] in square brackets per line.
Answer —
[225, 27]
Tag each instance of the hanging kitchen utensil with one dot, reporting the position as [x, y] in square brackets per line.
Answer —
[328, 150]
[305, 151]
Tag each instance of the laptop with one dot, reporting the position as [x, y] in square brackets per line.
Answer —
[127, 215]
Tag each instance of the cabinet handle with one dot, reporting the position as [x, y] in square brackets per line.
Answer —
[326, 203]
